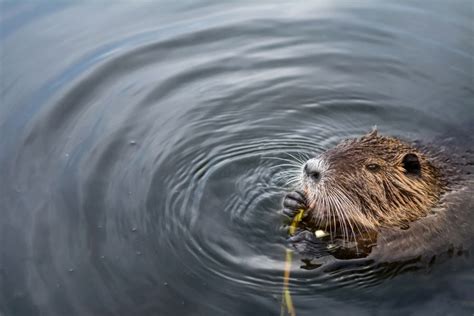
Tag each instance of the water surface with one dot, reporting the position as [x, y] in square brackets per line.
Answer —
[138, 145]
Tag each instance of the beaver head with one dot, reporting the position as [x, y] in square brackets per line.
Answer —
[367, 183]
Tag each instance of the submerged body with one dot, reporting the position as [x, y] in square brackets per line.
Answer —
[388, 200]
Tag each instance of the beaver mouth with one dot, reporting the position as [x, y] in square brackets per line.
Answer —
[331, 225]
[335, 227]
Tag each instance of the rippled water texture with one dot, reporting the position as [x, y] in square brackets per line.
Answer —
[139, 148]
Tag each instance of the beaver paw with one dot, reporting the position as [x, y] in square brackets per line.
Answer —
[303, 236]
[293, 202]
[307, 245]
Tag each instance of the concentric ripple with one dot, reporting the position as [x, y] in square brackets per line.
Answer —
[146, 176]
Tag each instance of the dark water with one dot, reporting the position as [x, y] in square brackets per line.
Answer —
[137, 145]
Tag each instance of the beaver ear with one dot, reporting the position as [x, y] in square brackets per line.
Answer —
[412, 165]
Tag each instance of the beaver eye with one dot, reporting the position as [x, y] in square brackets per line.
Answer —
[373, 167]
[411, 164]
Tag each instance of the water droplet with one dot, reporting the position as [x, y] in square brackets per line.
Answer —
[70, 270]
[134, 229]
[139, 253]
[165, 283]
[133, 142]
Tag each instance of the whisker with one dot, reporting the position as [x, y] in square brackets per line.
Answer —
[285, 165]
[298, 159]
[281, 159]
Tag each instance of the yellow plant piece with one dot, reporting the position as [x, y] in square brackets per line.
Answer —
[286, 299]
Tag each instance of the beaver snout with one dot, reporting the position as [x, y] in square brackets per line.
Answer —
[313, 171]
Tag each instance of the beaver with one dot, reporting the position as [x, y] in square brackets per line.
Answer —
[386, 199]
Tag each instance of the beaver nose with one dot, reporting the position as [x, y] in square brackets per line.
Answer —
[311, 172]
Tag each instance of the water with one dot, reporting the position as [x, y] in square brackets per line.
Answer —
[138, 140]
